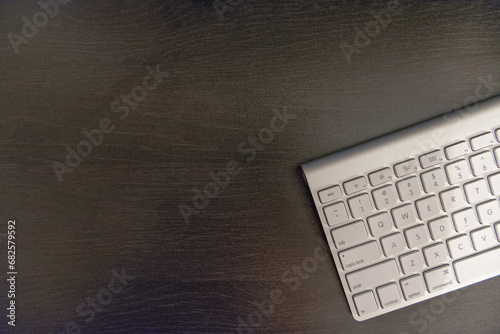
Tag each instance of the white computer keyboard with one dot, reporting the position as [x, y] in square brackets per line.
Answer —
[414, 214]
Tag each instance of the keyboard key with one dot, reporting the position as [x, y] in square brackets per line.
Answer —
[439, 279]
[435, 254]
[384, 197]
[465, 220]
[372, 276]
[349, 234]
[380, 176]
[477, 267]
[427, 207]
[329, 194]
[483, 238]
[404, 168]
[433, 180]
[389, 295]
[456, 150]
[365, 303]
[403, 215]
[482, 141]
[412, 287]
[497, 131]
[452, 199]
[379, 224]
[476, 191]
[360, 205]
[360, 256]
[411, 262]
[355, 185]
[336, 214]
[408, 189]
[497, 155]
[393, 244]
[488, 212]
[441, 228]
[431, 159]
[482, 163]
[497, 227]
[458, 171]
[416, 236]
[459, 246]
[494, 181]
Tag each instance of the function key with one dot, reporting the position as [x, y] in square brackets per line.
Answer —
[431, 159]
[405, 167]
[355, 185]
[380, 176]
[365, 303]
[456, 150]
[482, 141]
[329, 194]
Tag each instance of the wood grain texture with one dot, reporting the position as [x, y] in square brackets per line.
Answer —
[227, 77]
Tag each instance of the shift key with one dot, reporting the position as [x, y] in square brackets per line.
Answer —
[373, 276]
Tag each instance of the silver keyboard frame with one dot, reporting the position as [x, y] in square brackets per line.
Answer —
[386, 151]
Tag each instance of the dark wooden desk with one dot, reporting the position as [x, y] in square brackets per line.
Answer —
[112, 235]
